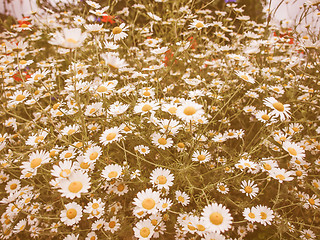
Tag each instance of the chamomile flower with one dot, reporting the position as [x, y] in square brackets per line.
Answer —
[161, 141]
[19, 97]
[266, 215]
[144, 150]
[71, 214]
[216, 218]
[13, 186]
[201, 156]
[147, 200]
[70, 38]
[110, 135]
[36, 159]
[164, 204]
[182, 198]
[112, 171]
[189, 111]
[95, 208]
[249, 188]
[63, 169]
[74, 185]
[112, 225]
[118, 33]
[294, 150]
[69, 130]
[279, 109]
[21, 225]
[93, 153]
[223, 188]
[112, 60]
[213, 235]
[161, 178]
[245, 76]
[197, 24]
[146, 107]
[251, 214]
[144, 230]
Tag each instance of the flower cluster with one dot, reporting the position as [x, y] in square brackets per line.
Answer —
[168, 122]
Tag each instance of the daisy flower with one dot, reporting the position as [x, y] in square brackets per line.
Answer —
[77, 183]
[161, 141]
[182, 198]
[112, 60]
[69, 130]
[279, 109]
[95, 208]
[266, 215]
[71, 214]
[117, 108]
[161, 178]
[189, 111]
[110, 135]
[145, 107]
[98, 224]
[91, 236]
[164, 204]
[312, 202]
[142, 149]
[93, 153]
[201, 156]
[216, 218]
[251, 215]
[19, 97]
[63, 170]
[213, 235]
[93, 4]
[308, 234]
[221, 187]
[245, 76]
[21, 225]
[294, 150]
[112, 171]
[13, 186]
[112, 225]
[120, 188]
[118, 32]
[263, 116]
[249, 188]
[196, 24]
[154, 17]
[100, 12]
[281, 174]
[144, 230]
[70, 38]
[68, 154]
[36, 159]
[147, 200]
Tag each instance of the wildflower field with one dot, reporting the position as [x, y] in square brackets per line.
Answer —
[159, 120]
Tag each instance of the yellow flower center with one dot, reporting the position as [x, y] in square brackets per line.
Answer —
[280, 176]
[263, 215]
[201, 157]
[148, 203]
[71, 131]
[189, 111]
[201, 227]
[65, 173]
[92, 110]
[154, 222]
[267, 166]
[13, 186]
[120, 187]
[36, 77]
[244, 77]
[93, 155]
[251, 215]
[162, 141]
[216, 218]
[147, 93]
[279, 106]
[71, 40]
[222, 188]
[112, 174]
[165, 205]
[248, 189]
[265, 117]
[102, 89]
[38, 139]
[292, 151]
[146, 108]
[75, 186]
[172, 110]
[295, 129]
[23, 62]
[95, 205]
[181, 199]
[71, 213]
[112, 224]
[299, 173]
[35, 162]
[68, 155]
[116, 30]
[311, 201]
[20, 97]
[161, 180]
[144, 232]
[111, 136]
[181, 145]
[199, 25]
